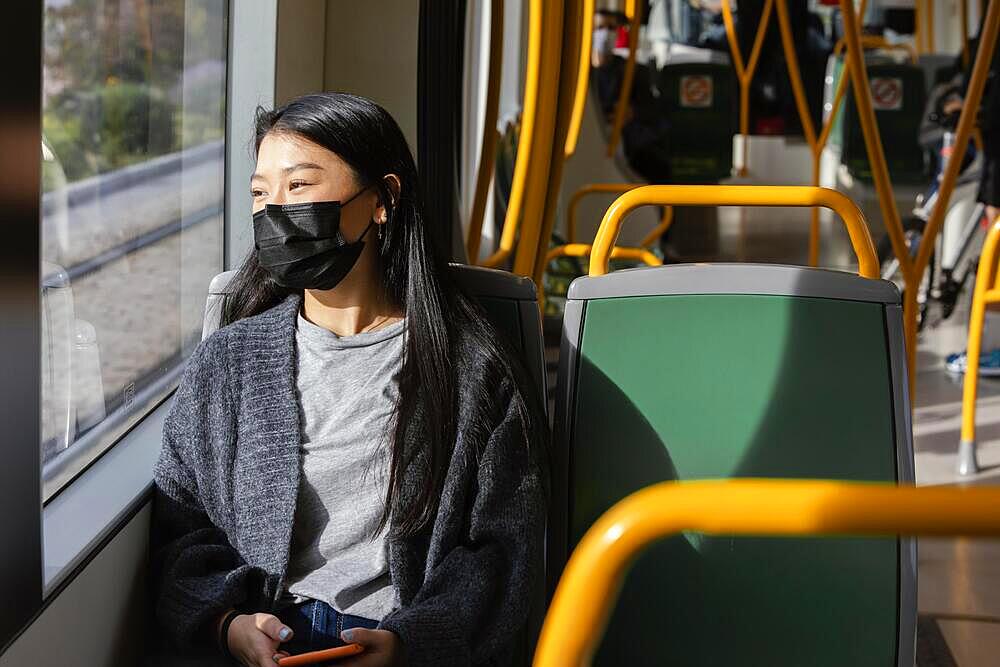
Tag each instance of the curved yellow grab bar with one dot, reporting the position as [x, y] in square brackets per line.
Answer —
[628, 77]
[590, 583]
[986, 292]
[532, 80]
[589, 189]
[582, 77]
[488, 149]
[878, 42]
[736, 195]
[618, 252]
[640, 254]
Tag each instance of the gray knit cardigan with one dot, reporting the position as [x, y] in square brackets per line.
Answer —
[228, 475]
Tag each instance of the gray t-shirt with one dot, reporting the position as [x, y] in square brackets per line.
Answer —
[347, 389]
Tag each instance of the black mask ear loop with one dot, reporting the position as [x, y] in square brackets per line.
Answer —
[371, 221]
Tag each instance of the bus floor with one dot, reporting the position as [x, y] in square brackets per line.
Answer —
[959, 579]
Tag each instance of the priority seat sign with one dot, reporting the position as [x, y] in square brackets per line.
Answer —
[696, 91]
[887, 93]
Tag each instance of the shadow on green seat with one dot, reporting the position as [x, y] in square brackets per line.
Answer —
[719, 371]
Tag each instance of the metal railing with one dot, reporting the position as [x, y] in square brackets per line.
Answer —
[735, 195]
[590, 583]
[529, 114]
[633, 10]
[582, 77]
[987, 292]
[488, 147]
[639, 253]
[913, 267]
[744, 73]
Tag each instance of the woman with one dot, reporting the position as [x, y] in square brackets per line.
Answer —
[352, 458]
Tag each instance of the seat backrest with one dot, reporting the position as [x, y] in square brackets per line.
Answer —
[719, 371]
[510, 302]
[700, 102]
[898, 97]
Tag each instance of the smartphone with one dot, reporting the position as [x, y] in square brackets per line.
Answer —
[326, 655]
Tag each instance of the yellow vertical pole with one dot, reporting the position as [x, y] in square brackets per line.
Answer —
[967, 463]
[582, 76]
[488, 149]
[628, 77]
[880, 174]
[802, 105]
[541, 149]
[966, 120]
[963, 7]
[929, 21]
[918, 19]
[529, 112]
[744, 73]
[572, 44]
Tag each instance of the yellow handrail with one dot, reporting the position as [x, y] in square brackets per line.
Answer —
[879, 42]
[816, 145]
[964, 18]
[618, 252]
[532, 83]
[582, 77]
[590, 583]
[640, 253]
[930, 26]
[488, 148]
[589, 189]
[666, 221]
[744, 74]
[918, 19]
[628, 77]
[735, 195]
[554, 105]
[986, 292]
[913, 268]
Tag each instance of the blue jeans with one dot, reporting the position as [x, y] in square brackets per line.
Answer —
[317, 626]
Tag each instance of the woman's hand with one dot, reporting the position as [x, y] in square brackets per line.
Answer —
[253, 639]
[382, 648]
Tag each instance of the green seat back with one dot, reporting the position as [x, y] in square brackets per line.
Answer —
[901, 86]
[791, 383]
[510, 302]
[700, 137]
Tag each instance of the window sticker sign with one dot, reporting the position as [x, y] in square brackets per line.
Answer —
[696, 91]
[887, 93]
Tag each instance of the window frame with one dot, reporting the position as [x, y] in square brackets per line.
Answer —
[77, 530]
[20, 306]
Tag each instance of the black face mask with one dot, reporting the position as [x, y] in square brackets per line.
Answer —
[301, 246]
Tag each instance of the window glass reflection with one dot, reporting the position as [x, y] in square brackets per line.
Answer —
[132, 204]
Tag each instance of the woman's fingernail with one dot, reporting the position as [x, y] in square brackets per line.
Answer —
[347, 635]
[285, 633]
[275, 657]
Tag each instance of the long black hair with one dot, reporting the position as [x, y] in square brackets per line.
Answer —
[415, 278]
